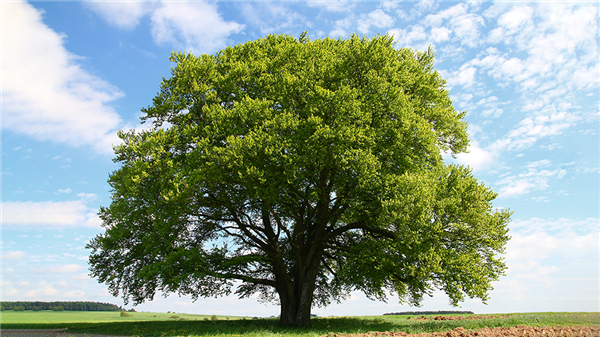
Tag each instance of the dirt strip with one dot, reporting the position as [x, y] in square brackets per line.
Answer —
[518, 331]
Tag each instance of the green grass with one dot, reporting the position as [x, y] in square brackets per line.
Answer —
[140, 324]
[43, 317]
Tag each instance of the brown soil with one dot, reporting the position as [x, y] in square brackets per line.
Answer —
[455, 318]
[518, 331]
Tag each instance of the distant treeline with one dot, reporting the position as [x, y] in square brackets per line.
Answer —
[440, 312]
[59, 306]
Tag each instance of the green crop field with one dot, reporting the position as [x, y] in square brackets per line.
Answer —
[143, 324]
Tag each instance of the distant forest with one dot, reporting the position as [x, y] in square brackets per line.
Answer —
[440, 312]
[59, 306]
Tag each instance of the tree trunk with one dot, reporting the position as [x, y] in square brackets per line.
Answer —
[296, 311]
[296, 295]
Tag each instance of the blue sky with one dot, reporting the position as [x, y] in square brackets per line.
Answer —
[527, 73]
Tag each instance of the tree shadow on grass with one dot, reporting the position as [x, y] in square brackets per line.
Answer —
[257, 327]
[321, 326]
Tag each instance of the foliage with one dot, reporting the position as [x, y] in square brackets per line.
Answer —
[304, 169]
[214, 318]
[125, 314]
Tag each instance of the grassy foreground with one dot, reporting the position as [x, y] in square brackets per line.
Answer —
[44, 317]
[140, 324]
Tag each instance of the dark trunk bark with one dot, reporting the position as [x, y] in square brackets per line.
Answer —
[296, 311]
[296, 297]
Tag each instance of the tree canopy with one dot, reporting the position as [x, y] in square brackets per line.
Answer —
[299, 170]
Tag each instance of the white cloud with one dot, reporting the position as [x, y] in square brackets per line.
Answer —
[424, 6]
[120, 13]
[545, 255]
[515, 18]
[541, 245]
[464, 26]
[23, 284]
[87, 196]
[66, 190]
[332, 5]
[557, 227]
[561, 45]
[477, 158]
[50, 291]
[48, 214]
[195, 26]
[440, 34]
[408, 38]
[531, 129]
[46, 94]
[81, 277]
[389, 5]
[63, 269]
[13, 255]
[75, 294]
[377, 18]
[531, 180]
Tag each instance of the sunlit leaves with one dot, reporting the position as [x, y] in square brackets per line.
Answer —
[291, 165]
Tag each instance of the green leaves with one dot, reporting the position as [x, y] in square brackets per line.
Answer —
[302, 168]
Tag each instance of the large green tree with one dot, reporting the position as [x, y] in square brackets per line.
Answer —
[299, 170]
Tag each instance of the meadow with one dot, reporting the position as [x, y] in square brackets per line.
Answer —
[160, 324]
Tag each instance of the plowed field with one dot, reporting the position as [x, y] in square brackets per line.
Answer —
[455, 318]
[518, 331]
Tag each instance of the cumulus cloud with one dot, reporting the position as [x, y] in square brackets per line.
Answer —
[548, 256]
[50, 291]
[377, 18]
[389, 5]
[87, 196]
[560, 43]
[62, 269]
[122, 14]
[477, 158]
[555, 226]
[13, 255]
[410, 36]
[332, 5]
[48, 214]
[274, 18]
[75, 294]
[542, 245]
[464, 26]
[464, 77]
[340, 28]
[195, 26]
[46, 94]
[531, 129]
[190, 26]
[531, 180]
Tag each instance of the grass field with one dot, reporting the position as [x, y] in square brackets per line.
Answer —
[44, 317]
[141, 324]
